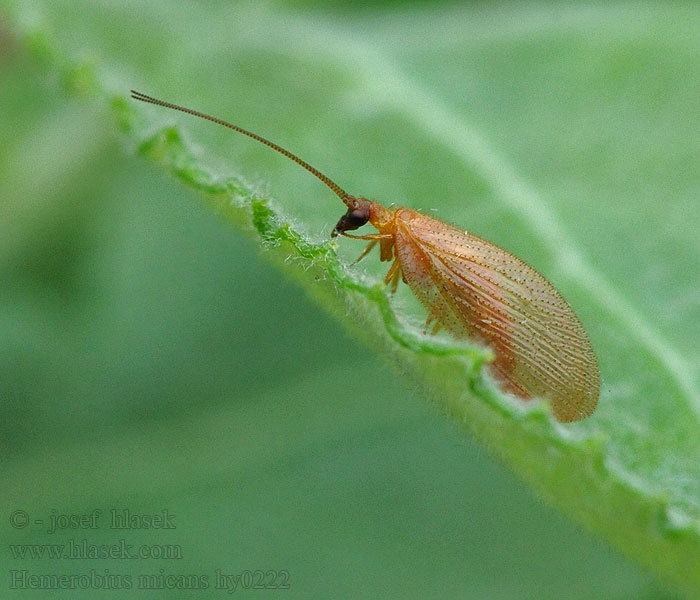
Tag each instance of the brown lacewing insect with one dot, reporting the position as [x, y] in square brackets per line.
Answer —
[473, 289]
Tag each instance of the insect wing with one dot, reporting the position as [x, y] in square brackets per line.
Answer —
[475, 289]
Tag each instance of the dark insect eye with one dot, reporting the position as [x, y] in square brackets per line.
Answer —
[357, 217]
[352, 219]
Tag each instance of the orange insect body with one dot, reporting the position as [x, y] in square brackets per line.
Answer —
[476, 290]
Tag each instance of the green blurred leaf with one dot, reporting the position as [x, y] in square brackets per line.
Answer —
[567, 135]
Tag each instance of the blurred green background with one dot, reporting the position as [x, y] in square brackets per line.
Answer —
[151, 359]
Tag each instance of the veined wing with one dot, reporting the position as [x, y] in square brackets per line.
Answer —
[484, 292]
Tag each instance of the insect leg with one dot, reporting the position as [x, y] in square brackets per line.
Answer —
[371, 236]
[395, 281]
[428, 321]
[393, 276]
[366, 251]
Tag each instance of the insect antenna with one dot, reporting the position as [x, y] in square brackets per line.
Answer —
[340, 192]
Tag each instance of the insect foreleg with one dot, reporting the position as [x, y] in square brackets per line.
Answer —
[371, 236]
[366, 251]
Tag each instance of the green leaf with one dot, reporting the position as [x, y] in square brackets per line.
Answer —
[567, 135]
